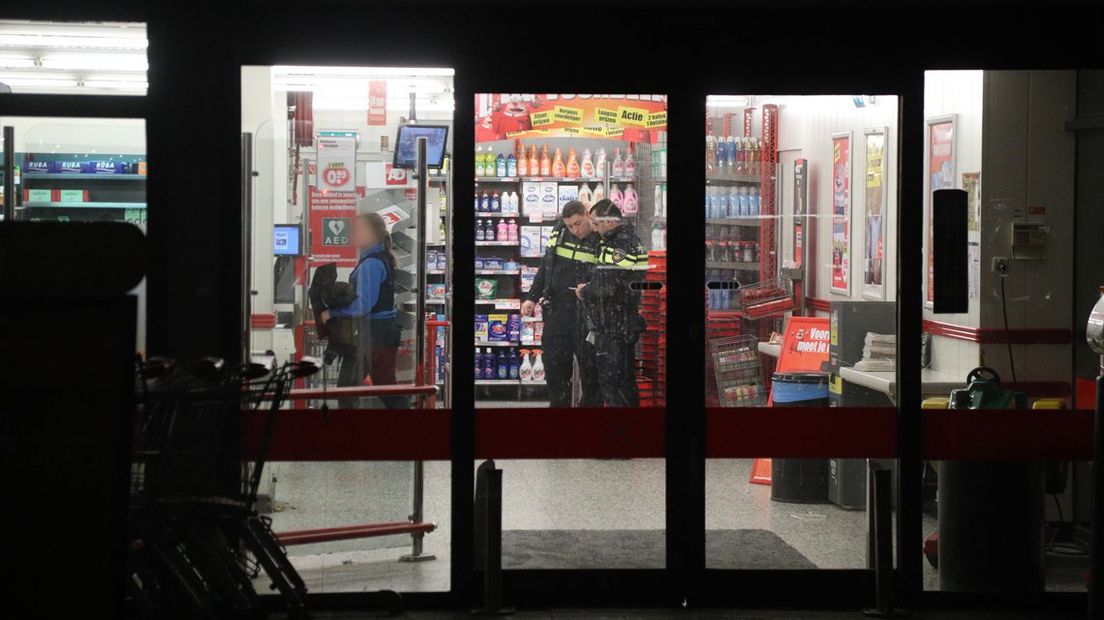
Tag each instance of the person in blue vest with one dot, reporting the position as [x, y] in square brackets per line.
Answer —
[373, 311]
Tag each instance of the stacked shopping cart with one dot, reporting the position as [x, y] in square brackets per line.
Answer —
[652, 376]
[738, 372]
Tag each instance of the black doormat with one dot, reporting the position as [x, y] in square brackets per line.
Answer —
[544, 549]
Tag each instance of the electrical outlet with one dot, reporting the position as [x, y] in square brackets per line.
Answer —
[1000, 264]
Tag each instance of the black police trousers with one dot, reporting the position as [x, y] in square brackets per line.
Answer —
[616, 374]
[559, 351]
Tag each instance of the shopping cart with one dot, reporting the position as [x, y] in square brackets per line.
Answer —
[196, 541]
[738, 371]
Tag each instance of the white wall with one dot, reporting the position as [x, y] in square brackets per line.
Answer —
[958, 93]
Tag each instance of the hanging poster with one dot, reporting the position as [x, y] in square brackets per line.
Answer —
[971, 182]
[941, 175]
[336, 161]
[331, 220]
[377, 102]
[874, 221]
[633, 118]
[841, 213]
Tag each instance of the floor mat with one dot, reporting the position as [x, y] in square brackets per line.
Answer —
[543, 549]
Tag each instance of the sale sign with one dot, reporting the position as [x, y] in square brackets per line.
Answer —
[805, 345]
[377, 102]
[841, 213]
[336, 170]
[623, 117]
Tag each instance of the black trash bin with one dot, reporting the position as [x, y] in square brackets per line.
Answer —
[799, 480]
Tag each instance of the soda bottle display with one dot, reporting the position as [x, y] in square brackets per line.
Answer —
[710, 154]
[730, 154]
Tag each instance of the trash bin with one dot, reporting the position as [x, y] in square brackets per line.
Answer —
[799, 480]
[847, 483]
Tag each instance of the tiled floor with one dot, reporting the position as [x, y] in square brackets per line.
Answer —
[712, 614]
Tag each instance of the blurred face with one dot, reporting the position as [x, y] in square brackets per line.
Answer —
[579, 225]
[363, 236]
[605, 224]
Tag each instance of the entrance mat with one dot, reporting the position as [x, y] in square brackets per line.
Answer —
[553, 549]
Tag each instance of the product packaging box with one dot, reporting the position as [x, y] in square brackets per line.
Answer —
[528, 274]
[141, 167]
[40, 195]
[486, 288]
[567, 193]
[530, 200]
[513, 327]
[72, 195]
[549, 196]
[36, 167]
[497, 328]
[481, 328]
[105, 167]
[531, 246]
[436, 291]
[546, 233]
[66, 167]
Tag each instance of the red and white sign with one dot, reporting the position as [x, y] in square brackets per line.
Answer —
[395, 176]
[377, 102]
[336, 163]
[331, 220]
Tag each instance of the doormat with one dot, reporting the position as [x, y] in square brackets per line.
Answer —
[554, 549]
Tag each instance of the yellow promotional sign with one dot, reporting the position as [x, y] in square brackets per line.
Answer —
[568, 115]
[594, 131]
[573, 131]
[603, 115]
[632, 116]
[539, 119]
[657, 119]
[615, 132]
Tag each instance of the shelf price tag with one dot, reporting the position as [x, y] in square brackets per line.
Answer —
[632, 116]
[603, 115]
[568, 115]
[542, 118]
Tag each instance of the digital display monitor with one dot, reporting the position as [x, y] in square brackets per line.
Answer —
[406, 145]
[287, 240]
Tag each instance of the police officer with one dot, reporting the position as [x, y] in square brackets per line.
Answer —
[568, 260]
[614, 304]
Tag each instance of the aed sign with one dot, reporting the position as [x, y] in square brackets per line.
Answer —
[335, 231]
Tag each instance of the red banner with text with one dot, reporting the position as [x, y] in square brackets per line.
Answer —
[632, 118]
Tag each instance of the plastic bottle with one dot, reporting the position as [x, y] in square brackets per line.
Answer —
[572, 165]
[585, 196]
[753, 201]
[617, 168]
[479, 231]
[525, 370]
[545, 162]
[534, 163]
[586, 170]
[515, 365]
[500, 166]
[484, 202]
[710, 154]
[617, 197]
[511, 166]
[512, 230]
[523, 164]
[496, 203]
[488, 364]
[631, 200]
[538, 366]
[558, 169]
[502, 366]
[599, 192]
[657, 236]
[657, 200]
[477, 201]
[730, 154]
[600, 164]
[630, 165]
[478, 364]
[480, 163]
[502, 230]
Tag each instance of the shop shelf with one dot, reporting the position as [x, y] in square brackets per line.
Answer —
[541, 382]
[724, 177]
[497, 381]
[496, 179]
[83, 177]
[716, 264]
[435, 272]
[500, 304]
[532, 319]
[741, 221]
[497, 272]
[435, 302]
[494, 343]
[495, 214]
[84, 205]
[498, 243]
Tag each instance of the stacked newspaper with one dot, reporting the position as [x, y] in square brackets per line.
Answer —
[879, 353]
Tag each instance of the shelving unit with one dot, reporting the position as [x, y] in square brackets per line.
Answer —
[107, 196]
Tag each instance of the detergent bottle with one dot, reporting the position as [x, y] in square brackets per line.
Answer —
[586, 170]
[572, 165]
[558, 164]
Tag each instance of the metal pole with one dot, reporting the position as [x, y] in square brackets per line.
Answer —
[416, 515]
[1096, 549]
[449, 208]
[246, 240]
[9, 174]
[883, 548]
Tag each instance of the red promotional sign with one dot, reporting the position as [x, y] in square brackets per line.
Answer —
[841, 214]
[395, 176]
[377, 102]
[805, 346]
[331, 220]
[941, 173]
[632, 118]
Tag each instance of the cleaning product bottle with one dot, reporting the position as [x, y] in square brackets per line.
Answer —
[478, 364]
[480, 163]
[631, 200]
[657, 198]
[585, 196]
[538, 366]
[511, 165]
[572, 165]
[525, 370]
[488, 364]
[534, 163]
[630, 165]
[545, 162]
[479, 231]
[586, 170]
[558, 169]
[599, 192]
[502, 366]
[502, 230]
[515, 365]
[523, 164]
[496, 203]
[600, 164]
[500, 166]
[484, 202]
[512, 230]
[477, 201]
[658, 235]
[617, 169]
[617, 197]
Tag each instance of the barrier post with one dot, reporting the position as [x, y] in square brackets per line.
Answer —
[417, 538]
[1096, 550]
[488, 525]
[883, 546]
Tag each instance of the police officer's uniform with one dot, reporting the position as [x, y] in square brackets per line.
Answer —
[568, 261]
[614, 306]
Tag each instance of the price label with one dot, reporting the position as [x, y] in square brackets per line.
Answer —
[517, 134]
[602, 115]
[637, 117]
[594, 131]
[572, 131]
[568, 115]
[614, 132]
[540, 119]
[657, 119]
